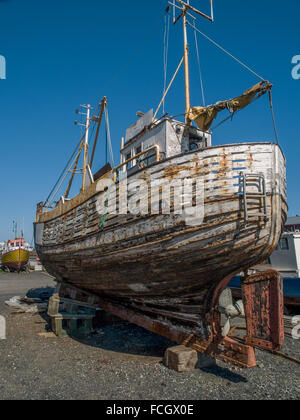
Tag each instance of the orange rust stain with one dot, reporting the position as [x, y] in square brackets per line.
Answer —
[174, 171]
[197, 168]
[223, 164]
[251, 160]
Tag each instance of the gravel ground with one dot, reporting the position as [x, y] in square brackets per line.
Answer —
[121, 361]
[19, 284]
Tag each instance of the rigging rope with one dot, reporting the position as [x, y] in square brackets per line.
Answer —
[227, 52]
[199, 65]
[166, 50]
[273, 117]
[224, 121]
[69, 161]
[102, 222]
[106, 144]
[90, 136]
[233, 114]
[243, 65]
[69, 170]
[64, 170]
[109, 137]
[166, 92]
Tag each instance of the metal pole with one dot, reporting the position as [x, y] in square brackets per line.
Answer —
[167, 90]
[186, 70]
[86, 146]
[212, 10]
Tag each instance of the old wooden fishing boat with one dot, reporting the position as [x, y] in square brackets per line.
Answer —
[157, 238]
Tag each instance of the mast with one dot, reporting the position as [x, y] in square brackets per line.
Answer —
[186, 10]
[86, 146]
[16, 229]
[186, 69]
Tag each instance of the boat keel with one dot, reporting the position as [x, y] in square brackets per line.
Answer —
[263, 301]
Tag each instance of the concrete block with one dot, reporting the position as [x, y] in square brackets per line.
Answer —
[53, 305]
[181, 358]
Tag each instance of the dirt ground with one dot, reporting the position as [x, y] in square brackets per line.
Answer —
[120, 362]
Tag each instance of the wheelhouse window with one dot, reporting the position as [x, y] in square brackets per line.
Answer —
[198, 143]
[137, 151]
[148, 160]
[128, 156]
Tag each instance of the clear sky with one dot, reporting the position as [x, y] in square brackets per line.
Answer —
[62, 53]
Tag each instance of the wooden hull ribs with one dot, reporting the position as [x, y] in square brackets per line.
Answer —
[159, 271]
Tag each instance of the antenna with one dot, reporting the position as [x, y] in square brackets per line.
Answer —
[86, 140]
[186, 9]
[15, 228]
[86, 125]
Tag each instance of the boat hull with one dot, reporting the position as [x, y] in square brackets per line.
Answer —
[15, 260]
[157, 263]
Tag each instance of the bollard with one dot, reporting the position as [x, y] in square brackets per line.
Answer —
[2, 328]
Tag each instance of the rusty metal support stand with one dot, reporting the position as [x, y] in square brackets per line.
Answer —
[216, 346]
[263, 302]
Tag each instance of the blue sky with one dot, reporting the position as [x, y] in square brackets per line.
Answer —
[60, 54]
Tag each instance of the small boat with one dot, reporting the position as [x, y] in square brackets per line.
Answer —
[15, 255]
[158, 237]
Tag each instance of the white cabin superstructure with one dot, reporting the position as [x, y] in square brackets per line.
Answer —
[159, 140]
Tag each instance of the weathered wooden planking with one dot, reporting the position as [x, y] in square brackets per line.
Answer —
[210, 193]
[159, 255]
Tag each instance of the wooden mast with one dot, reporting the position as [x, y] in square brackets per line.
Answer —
[186, 70]
[86, 147]
[186, 8]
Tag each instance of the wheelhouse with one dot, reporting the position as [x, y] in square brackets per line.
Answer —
[148, 141]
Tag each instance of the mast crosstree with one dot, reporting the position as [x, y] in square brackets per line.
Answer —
[185, 9]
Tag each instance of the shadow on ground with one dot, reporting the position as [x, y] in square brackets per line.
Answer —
[116, 335]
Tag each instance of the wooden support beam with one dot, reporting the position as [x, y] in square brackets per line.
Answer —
[103, 103]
